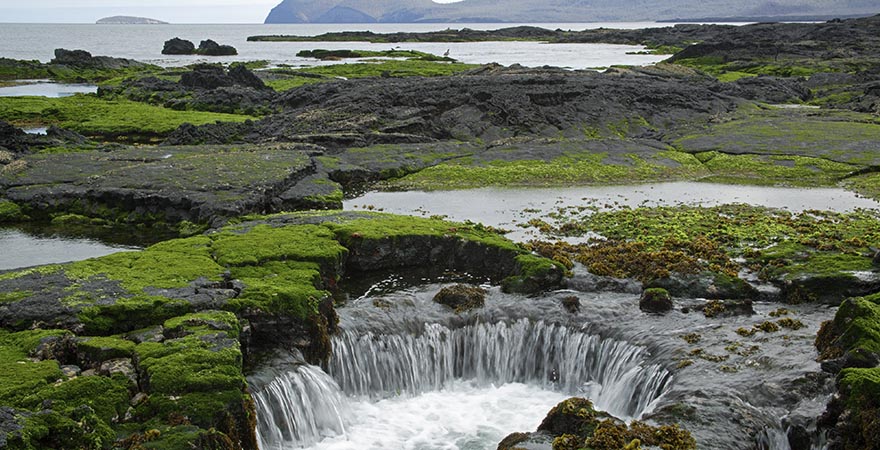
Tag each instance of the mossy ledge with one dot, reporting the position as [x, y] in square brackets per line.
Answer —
[168, 331]
[850, 346]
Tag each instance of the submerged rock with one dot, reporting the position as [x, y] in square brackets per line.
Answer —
[461, 297]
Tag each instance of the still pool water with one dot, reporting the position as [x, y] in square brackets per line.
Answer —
[44, 88]
[508, 207]
[21, 249]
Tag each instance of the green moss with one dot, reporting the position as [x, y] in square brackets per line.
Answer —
[99, 349]
[862, 385]
[190, 364]
[576, 168]
[286, 287]
[19, 376]
[867, 185]
[205, 321]
[128, 313]
[167, 265]
[94, 116]
[761, 169]
[11, 212]
[856, 326]
[108, 397]
[288, 79]
[263, 243]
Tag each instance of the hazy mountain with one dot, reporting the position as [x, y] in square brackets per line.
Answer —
[126, 20]
[366, 11]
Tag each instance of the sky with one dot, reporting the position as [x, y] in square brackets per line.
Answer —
[175, 11]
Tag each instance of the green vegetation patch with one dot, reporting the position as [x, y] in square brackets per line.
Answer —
[867, 185]
[841, 136]
[575, 168]
[288, 287]
[650, 243]
[284, 79]
[10, 212]
[93, 116]
[309, 243]
[775, 169]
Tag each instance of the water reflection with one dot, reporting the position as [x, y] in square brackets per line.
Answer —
[46, 88]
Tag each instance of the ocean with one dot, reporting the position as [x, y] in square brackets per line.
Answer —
[145, 42]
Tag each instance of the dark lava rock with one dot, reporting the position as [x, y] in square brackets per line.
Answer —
[244, 77]
[211, 48]
[206, 76]
[177, 46]
[59, 348]
[82, 59]
[510, 442]
[655, 300]
[461, 297]
[768, 89]
[10, 426]
[211, 134]
[13, 138]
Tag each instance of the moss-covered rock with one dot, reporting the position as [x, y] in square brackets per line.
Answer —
[461, 297]
[850, 344]
[575, 424]
[655, 300]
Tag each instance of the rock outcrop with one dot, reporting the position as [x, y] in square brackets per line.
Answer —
[208, 47]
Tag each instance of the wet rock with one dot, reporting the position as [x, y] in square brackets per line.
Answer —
[709, 285]
[177, 46]
[655, 300]
[461, 297]
[728, 308]
[572, 304]
[572, 416]
[588, 282]
[211, 48]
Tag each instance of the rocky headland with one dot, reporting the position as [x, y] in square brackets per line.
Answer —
[220, 156]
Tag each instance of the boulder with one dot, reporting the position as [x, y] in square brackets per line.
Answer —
[211, 48]
[655, 300]
[177, 46]
[461, 297]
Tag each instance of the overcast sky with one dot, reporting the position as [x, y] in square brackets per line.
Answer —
[175, 11]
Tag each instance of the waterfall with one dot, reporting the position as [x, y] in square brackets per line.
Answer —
[614, 374]
[301, 406]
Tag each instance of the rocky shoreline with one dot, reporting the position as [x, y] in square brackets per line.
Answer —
[168, 332]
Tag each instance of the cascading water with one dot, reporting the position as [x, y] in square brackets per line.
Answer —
[613, 373]
[301, 406]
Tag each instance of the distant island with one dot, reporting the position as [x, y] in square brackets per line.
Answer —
[557, 11]
[129, 20]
